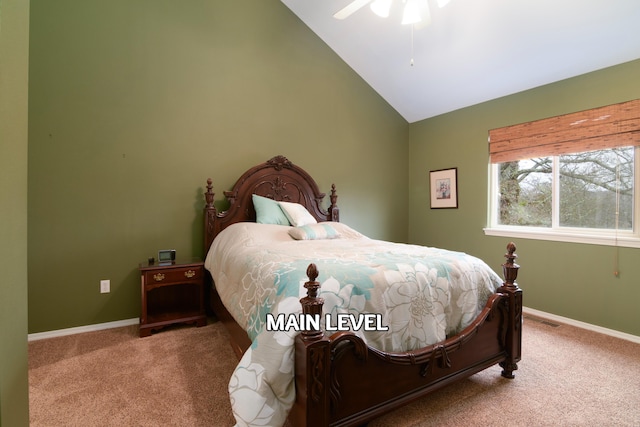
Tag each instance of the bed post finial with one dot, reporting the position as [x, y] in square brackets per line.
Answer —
[209, 194]
[334, 211]
[513, 338]
[312, 363]
[210, 215]
[312, 304]
[312, 274]
[510, 268]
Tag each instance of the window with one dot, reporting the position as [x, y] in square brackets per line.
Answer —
[569, 178]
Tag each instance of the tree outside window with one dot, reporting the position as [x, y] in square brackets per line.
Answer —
[594, 190]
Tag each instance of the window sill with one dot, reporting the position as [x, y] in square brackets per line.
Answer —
[626, 241]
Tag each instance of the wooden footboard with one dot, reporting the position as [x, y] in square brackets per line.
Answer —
[340, 381]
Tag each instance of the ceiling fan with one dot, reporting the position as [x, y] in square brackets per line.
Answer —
[415, 11]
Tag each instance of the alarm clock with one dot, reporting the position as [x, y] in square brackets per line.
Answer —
[167, 257]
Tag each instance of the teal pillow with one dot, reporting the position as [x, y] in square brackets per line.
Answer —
[268, 211]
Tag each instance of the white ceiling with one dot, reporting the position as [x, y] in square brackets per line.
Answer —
[475, 50]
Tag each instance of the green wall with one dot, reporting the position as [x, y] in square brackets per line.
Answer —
[14, 50]
[570, 280]
[134, 104]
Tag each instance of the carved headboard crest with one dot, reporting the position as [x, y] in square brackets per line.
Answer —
[279, 162]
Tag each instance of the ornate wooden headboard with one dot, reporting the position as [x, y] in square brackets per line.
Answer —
[277, 179]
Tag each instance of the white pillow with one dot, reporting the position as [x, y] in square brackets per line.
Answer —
[314, 232]
[297, 214]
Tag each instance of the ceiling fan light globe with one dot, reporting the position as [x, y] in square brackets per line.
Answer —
[411, 13]
[381, 7]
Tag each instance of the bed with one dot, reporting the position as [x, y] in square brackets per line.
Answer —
[333, 328]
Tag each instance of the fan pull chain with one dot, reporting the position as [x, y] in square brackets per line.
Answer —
[411, 63]
[616, 265]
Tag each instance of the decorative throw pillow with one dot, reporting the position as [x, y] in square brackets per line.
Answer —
[297, 214]
[268, 211]
[314, 232]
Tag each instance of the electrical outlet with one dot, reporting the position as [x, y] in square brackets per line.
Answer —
[105, 286]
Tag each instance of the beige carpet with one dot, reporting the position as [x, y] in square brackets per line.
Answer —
[178, 377]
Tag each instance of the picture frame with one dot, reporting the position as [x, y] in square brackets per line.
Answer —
[443, 185]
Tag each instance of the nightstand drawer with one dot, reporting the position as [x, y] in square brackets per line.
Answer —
[173, 275]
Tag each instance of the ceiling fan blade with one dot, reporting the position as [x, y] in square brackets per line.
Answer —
[350, 8]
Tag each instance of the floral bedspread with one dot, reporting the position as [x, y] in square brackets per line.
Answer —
[421, 294]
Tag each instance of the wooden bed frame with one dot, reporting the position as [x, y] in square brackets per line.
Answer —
[340, 381]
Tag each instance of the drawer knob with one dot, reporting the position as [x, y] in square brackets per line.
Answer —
[189, 274]
[159, 277]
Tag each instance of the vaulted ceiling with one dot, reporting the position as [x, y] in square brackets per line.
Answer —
[475, 50]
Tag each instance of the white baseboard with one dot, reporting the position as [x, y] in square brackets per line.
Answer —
[583, 325]
[80, 329]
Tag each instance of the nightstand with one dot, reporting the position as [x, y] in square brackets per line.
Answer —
[171, 294]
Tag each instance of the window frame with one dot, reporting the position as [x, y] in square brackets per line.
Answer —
[606, 237]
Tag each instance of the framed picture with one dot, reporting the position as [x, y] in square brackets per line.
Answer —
[443, 186]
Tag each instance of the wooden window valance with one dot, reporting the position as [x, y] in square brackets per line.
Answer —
[612, 126]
